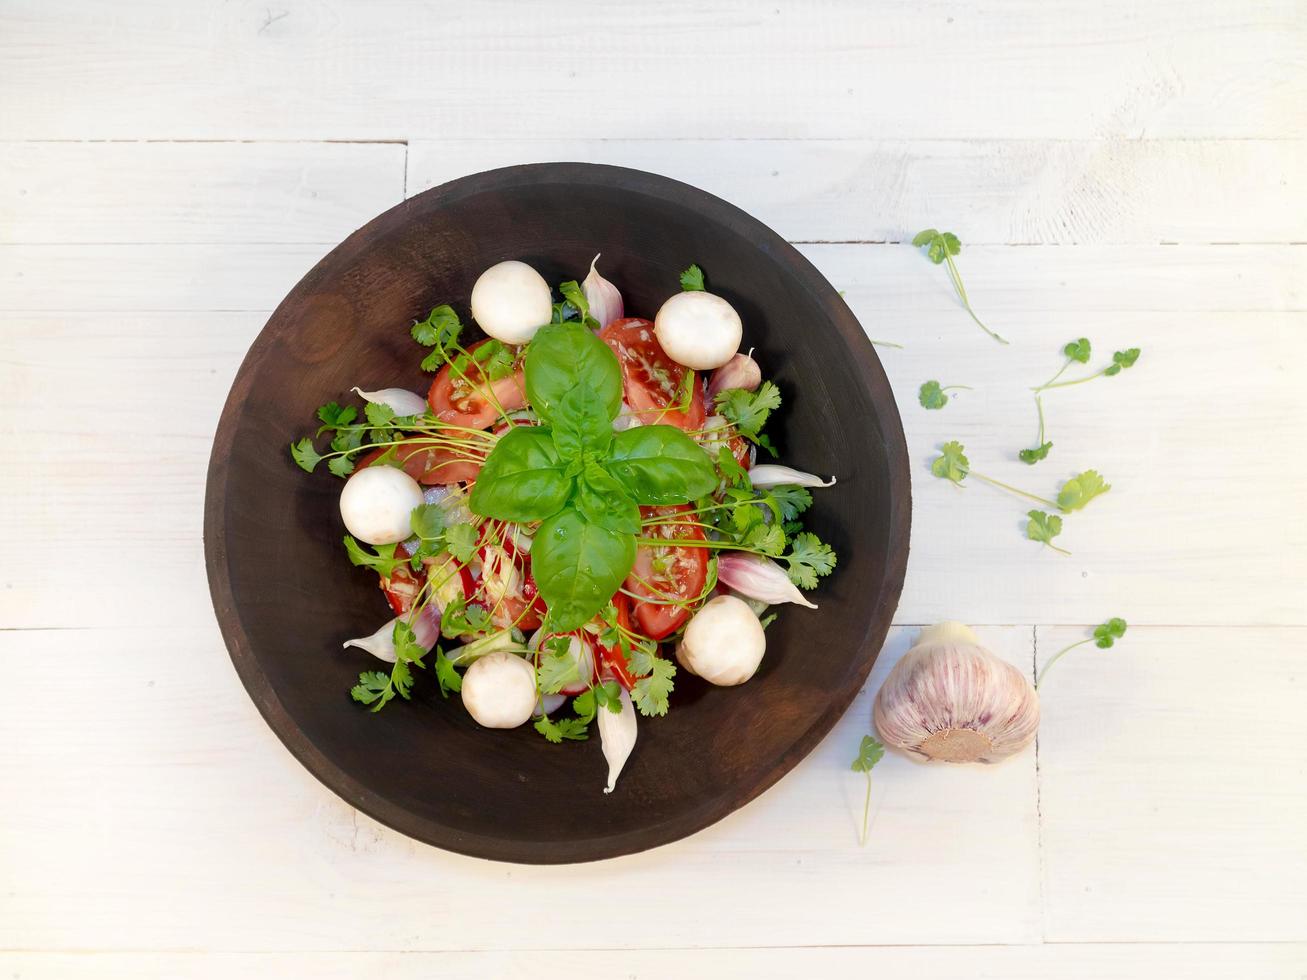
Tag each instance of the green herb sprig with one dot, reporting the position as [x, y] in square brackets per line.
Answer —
[1104, 637]
[932, 395]
[870, 752]
[940, 248]
[1075, 352]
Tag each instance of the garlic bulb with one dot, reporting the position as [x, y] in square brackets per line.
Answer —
[951, 700]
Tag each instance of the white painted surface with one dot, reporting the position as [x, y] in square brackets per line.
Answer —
[1132, 173]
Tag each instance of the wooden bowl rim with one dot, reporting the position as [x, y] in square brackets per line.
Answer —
[684, 823]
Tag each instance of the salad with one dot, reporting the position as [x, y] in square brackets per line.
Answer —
[575, 508]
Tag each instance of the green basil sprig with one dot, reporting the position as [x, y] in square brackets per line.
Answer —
[584, 482]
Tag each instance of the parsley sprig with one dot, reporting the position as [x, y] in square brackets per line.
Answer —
[870, 752]
[940, 247]
[1104, 637]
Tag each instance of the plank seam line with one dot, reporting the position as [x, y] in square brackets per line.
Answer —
[1039, 795]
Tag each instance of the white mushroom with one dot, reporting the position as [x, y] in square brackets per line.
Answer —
[499, 690]
[376, 503]
[723, 643]
[511, 301]
[698, 329]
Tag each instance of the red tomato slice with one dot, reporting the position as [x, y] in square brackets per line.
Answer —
[523, 607]
[454, 399]
[428, 464]
[611, 657]
[666, 572]
[652, 379]
[400, 590]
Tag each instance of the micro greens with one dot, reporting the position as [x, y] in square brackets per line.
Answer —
[1104, 637]
[1075, 352]
[940, 248]
[870, 752]
[931, 394]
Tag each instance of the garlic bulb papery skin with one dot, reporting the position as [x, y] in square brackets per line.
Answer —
[617, 737]
[771, 475]
[399, 400]
[951, 700]
[604, 298]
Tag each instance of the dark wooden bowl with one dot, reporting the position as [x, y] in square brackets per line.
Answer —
[286, 597]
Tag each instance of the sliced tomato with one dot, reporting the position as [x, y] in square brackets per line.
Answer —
[427, 464]
[400, 589]
[516, 600]
[666, 573]
[463, 399]
[652, 380]
[611, 657]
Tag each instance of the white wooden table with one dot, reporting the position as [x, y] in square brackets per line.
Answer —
[1132, 172]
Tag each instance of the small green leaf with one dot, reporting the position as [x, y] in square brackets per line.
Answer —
[1078, 350]
[1079, 490]
[870, 752]
[461, 541]
[748, 410]
[1043, 527]
[440, 329]
[1033, 456]
[449, 679]
[649, 694]
[809, 558]
[931, 395]
[305, 456]
[692, 280]
[341, 466]
[951, 464]
[333, 416]
[1108, 633]
[574, 294]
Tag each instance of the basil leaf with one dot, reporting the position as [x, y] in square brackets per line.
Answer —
[522, 479]
[566, 357]
[581, 424]
[578, 566]
[603, 501]
[660, 464]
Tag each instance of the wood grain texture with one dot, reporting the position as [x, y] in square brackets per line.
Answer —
[1172, 785]
[1071, 961]
[1029, 192]
[314, 69]
[208, 835]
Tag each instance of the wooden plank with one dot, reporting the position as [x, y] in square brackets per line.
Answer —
[398, 69]
[194, 192]
[880, 280]
[1171, 785]
[176, 822]
[1193, 496]
[1124, 191]
[1194, 961]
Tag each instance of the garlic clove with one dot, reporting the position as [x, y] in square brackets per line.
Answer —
[770, 475]
[617, 737]
[398, 400]
[380, 644]
[758, 578]
[951, 700]
[741, 371]
[604, 298]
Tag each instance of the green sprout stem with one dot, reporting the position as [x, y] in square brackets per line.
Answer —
[1012, 489]
[866, 812]
[961, 290]
[1058, 656]
[887, 343]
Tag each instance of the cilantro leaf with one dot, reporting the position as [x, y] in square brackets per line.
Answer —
[748, 410]
[461, 619]
[1081, 489]
[649, 694]
[427, 521]
[378, 414]
[574, 294]
[573, 729]
[440, 329]
[373, 688]
[1078, 350]
[384, 562]
[792, 500]
[558, 668]
[1122, 359]
[1033, 456]
[732, 472]
[448, 678]
[931, 395]
[692, 280]
[809, 558]
[333, 416]
[341, 466]
[940, 249]
[461, 541]
[870, 752]
[1044, 527]
[952, 463]
[305, 456]
[767, 538]
[1108, 633]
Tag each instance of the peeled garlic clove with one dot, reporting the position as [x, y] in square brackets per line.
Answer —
[741, 371]
[949, 699]
[771, 475]
[604, 298]
[758, 578]
[381, 644]
[617, 737]
[398, 400]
